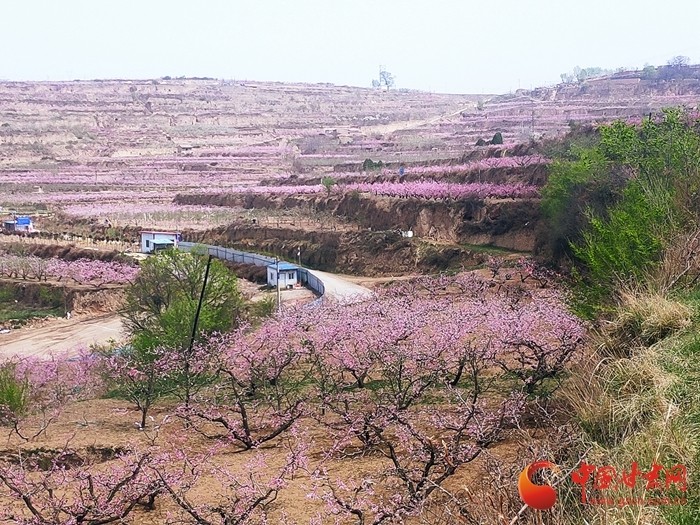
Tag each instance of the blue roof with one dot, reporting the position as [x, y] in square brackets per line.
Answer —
[284, 266]
[24, 220]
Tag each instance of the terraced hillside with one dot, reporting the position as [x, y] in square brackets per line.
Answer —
[198, 154]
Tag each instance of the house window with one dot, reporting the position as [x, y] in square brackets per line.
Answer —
[148, 244]
[291, 275]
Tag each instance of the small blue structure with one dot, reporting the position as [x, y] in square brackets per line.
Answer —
[18, 224]
[288, 275]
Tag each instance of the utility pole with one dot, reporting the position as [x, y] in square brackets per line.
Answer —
[299, 255]
[199, 304]
[277, 281]
[194, 330]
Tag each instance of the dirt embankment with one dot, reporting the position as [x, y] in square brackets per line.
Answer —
[359, 253]
[67, 252]
[535, 175]
[507, 223]
[444, 232]
[79, 300]
[248, 272]
[474, 154]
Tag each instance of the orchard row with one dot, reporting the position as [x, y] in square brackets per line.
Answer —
[82, 271]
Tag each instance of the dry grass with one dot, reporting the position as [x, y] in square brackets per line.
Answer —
[625, 415]
[680, 264]
[644, 318]
[632, 399]
[588, 398]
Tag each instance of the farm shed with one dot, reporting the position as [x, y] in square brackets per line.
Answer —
[155, 240]
[18, 224]
[288, 275]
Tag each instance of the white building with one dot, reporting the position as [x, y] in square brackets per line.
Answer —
[288, 275]
[154, 240]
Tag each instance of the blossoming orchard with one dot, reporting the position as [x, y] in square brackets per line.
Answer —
[418, 380]
[232, 302]
[82, 271]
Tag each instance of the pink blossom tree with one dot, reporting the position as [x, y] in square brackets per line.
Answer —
[260, 390]
[142, 377]
[535, 340]
[33, 392]
[60, 495]
[243, 497]
[423, 448]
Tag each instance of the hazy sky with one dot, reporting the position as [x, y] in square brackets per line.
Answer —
[486, 46]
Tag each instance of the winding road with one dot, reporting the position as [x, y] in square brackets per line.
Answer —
[68, 336]
[339, 289]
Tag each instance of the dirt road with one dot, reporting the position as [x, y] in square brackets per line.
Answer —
[412, 124]
[61, 336]
[339, 289]
[64, 336]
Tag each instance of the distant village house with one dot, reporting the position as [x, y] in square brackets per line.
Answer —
[18, 225]
[152, 241]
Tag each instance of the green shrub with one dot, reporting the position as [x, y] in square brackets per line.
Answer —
[661, 157]
[615, 207]
[370, 165]
[259, 310]
[7, 295]
[50, 296]
[14, 393]
[574, 188]
[328, 183]
[625, 243]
